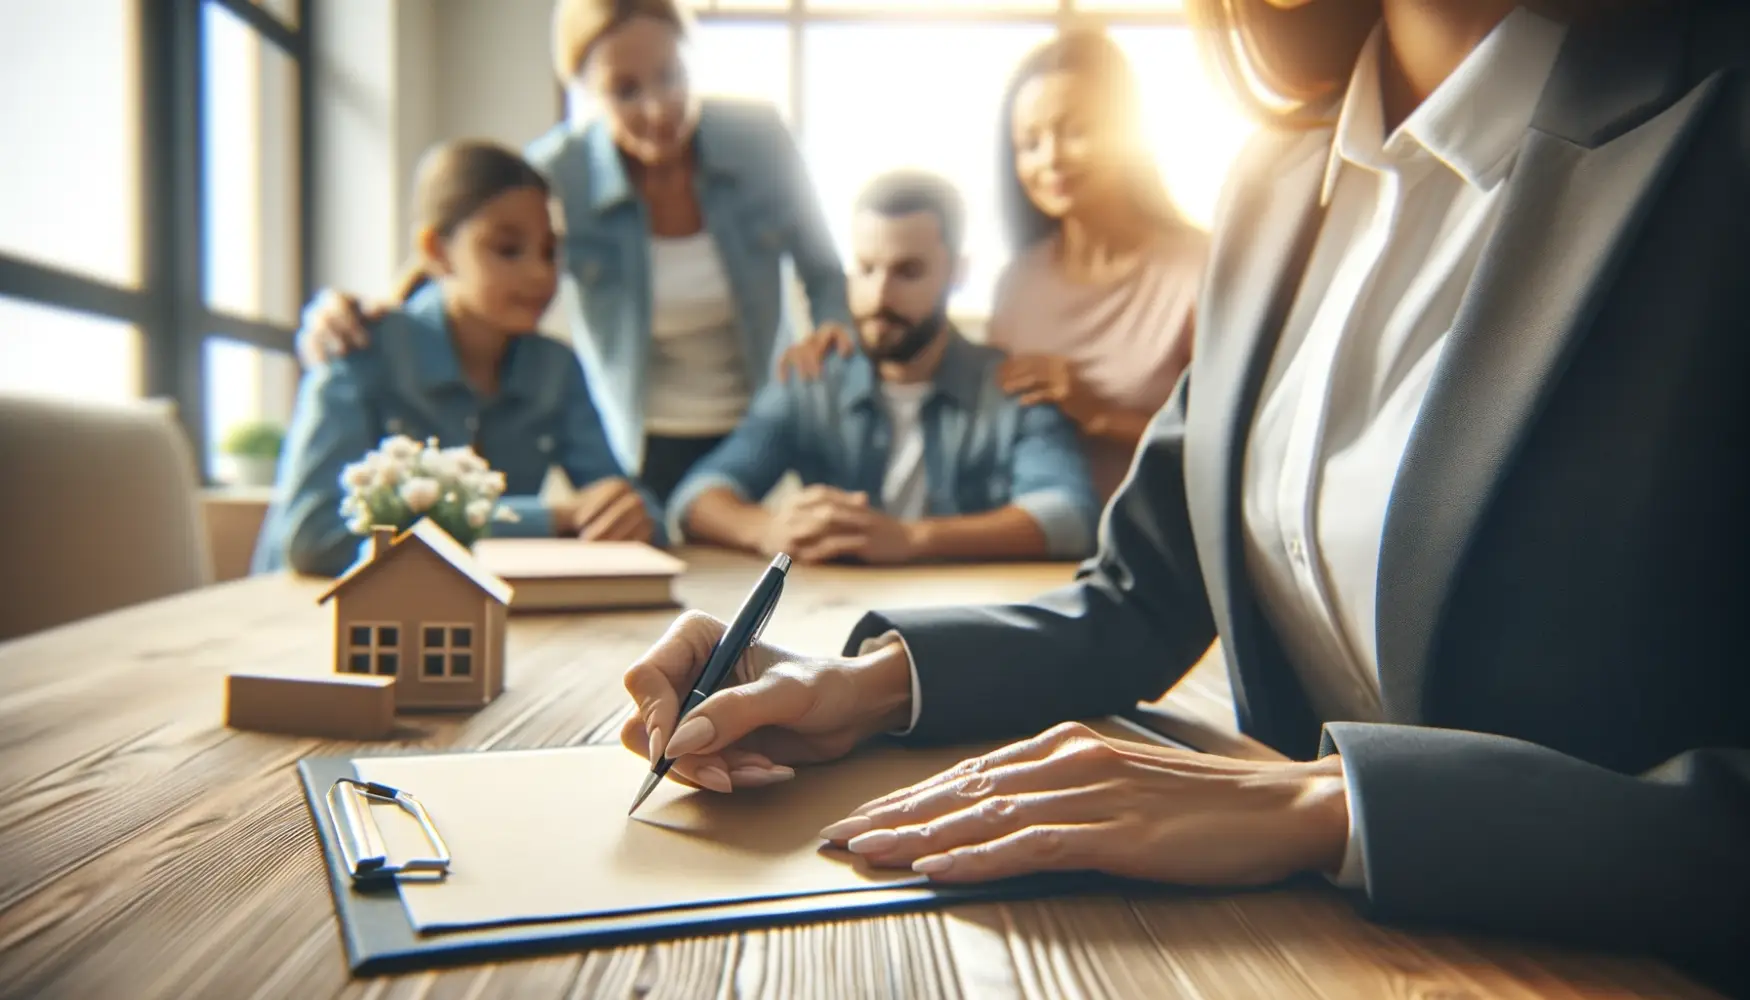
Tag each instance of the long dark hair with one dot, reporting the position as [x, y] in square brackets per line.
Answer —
[1091, 55]
[452, 182]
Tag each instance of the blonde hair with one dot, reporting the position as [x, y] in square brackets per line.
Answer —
[580, 25]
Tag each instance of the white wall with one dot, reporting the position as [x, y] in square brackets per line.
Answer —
[417, 105]
[394, 77]
[495, 77]
[357, 164]
[377, 92]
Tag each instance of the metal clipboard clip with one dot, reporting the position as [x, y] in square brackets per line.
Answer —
[361, 843]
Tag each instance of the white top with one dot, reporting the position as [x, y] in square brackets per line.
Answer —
[904, 490]
[1408, 218]
[698, 384]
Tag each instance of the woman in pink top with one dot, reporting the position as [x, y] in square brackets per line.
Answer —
[1096, 307]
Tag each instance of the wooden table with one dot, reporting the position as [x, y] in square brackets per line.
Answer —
[148, 851]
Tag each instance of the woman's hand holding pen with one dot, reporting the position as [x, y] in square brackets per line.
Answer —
[779, 708]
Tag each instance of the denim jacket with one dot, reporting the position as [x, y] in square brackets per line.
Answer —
[982, 448]
[407, 381]
[761, 212]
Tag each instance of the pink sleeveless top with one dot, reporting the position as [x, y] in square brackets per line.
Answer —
[1129, 340]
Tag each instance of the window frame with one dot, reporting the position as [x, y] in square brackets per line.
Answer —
[169, 308]
[375, 648]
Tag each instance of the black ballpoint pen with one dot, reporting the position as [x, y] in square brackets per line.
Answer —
[740, 634]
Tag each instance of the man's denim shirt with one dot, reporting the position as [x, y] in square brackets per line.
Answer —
[982, 449]
[407, 381]
[763, 216]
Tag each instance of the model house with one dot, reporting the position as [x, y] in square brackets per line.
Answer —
[420, 609]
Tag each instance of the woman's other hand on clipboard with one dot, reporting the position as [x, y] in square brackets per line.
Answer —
[779, 709]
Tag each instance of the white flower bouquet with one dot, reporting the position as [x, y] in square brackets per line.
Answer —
[403, 481]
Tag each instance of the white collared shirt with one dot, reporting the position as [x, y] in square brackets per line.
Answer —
[1408, 216]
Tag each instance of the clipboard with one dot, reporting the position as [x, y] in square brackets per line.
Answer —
[379, 938]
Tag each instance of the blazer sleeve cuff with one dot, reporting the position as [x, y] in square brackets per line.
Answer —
[1353, 873]
[1067, 525]
[887, 638]
[930, 641]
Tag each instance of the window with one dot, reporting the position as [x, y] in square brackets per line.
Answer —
[853, 129]
[244, 384]
[249, 161]
[62, 352]
[373, 647]
[72, 137]
[121, 258]
[446, 651]
[702, 6]
[743, 59]
[1195, 129]
[857, 112]
[974, 7]
[251, 245]
[285, 10]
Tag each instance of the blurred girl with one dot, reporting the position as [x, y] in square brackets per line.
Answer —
[457, 361]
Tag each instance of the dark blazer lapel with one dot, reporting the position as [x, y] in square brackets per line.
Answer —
[1612, 121]
[1258, 257]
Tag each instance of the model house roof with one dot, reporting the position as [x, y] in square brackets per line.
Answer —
[427, 534]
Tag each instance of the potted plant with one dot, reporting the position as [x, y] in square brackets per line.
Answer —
[254, 450]
[403, 481]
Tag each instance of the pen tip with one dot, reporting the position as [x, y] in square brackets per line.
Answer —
[650, 781]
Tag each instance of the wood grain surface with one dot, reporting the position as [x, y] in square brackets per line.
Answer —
[148, 851]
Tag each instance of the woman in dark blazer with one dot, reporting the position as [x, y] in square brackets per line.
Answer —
[1457, 475]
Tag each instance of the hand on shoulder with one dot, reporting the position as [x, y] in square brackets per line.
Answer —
[333, 325]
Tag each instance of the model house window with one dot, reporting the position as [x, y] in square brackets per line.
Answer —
[446, 651]
[373, 647]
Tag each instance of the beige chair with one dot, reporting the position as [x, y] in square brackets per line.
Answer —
[100, 510]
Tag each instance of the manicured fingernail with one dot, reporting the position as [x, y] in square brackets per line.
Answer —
[754, 777]
[846, 828]
[935, 864]
[873, 842]
[693, 735]
[714, 778]
[656, 743]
